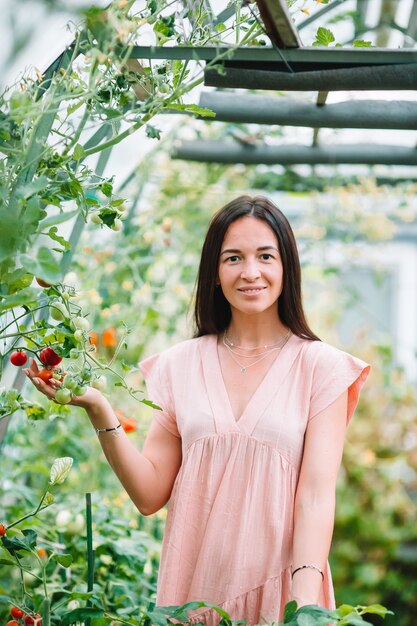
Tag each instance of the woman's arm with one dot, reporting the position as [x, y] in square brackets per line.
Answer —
[148, 477]
[315, 499]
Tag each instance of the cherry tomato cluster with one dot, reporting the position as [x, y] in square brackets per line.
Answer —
[29, 619]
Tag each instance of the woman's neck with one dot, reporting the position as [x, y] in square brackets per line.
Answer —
[253, 333]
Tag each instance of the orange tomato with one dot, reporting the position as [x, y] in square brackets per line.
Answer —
[94, 338]
[129, 424]
[109, 337]
[41, 552]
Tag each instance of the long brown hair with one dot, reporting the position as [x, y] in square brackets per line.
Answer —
[212, 312]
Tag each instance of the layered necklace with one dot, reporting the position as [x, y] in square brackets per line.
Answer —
[258, 352]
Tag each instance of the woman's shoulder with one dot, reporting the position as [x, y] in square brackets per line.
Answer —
[181, 351]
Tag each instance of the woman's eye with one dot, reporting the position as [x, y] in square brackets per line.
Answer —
[233, 258]
[266, 257]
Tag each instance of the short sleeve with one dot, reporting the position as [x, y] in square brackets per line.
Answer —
[334, 372]
[159, 391]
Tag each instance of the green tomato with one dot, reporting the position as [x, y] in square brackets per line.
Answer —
[79, 336]
[95, 218]
[58, 311]
[69, 382]
[86, 374]
[74, 353]
[66, 296]
[117, 224]
[100, 383]
[63, 396]
[79, 390]
[80, 322]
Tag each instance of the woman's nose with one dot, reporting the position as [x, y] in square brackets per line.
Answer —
[250, 271]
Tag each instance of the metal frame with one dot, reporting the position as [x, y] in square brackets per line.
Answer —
[285, 111]
[233, 152]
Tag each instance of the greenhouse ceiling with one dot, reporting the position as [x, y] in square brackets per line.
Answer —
[320, 72]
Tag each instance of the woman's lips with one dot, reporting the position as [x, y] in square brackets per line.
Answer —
[251, 290]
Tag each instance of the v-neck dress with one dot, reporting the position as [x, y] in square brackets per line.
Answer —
[228, 536]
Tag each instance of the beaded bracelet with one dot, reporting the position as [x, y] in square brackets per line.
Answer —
[309, 567]
[108, 430]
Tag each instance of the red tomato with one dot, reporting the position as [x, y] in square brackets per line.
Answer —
[45, 375]
[48, 357]
[33, 620]
[2, 530]
[16, 612]
[18, 358]
[42, 283]
[12, 623]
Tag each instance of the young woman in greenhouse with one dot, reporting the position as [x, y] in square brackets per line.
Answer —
[249, 440]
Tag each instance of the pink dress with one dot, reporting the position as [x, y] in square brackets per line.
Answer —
[228, 536]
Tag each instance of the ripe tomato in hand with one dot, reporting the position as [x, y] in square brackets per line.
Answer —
[47, 356]
[45, 375]
[2, 530]
[16, 612]
[18, 358]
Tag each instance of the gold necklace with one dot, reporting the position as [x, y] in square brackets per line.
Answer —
[253, 356]
[243, 368]
[228, 343]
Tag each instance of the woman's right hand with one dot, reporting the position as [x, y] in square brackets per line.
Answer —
[49, 389]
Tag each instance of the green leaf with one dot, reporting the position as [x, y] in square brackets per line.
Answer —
[45, 265]
[7, 562]
[56, 219]
[25, 296]
[35, 186]
[192, 108]
[152, 132]
[151, 404]
[17, 280]
[324, 36]
[306, 620]
[80, 615]
[15, 544]
[35, 412]
[52, 233]
[345, 609]
[220, 27]
[78, 153]
[60, 470]
[361, 43]
[289, 611]
[63, 559]
[377, 609]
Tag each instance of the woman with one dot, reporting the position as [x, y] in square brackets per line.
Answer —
[249, 440]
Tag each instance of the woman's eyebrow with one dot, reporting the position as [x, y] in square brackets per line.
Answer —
[260, 249]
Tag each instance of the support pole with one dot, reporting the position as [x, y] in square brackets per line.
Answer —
[382, 77]
[259, 109]
[228, 152]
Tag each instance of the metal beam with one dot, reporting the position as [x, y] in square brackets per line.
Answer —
[259, 109]
[381, 77]
[298, 57]
[278, 23]
[227, 152]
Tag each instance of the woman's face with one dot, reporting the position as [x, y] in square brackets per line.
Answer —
[250, 270]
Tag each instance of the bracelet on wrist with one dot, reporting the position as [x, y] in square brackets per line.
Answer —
[108, 430]
[307, 567]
